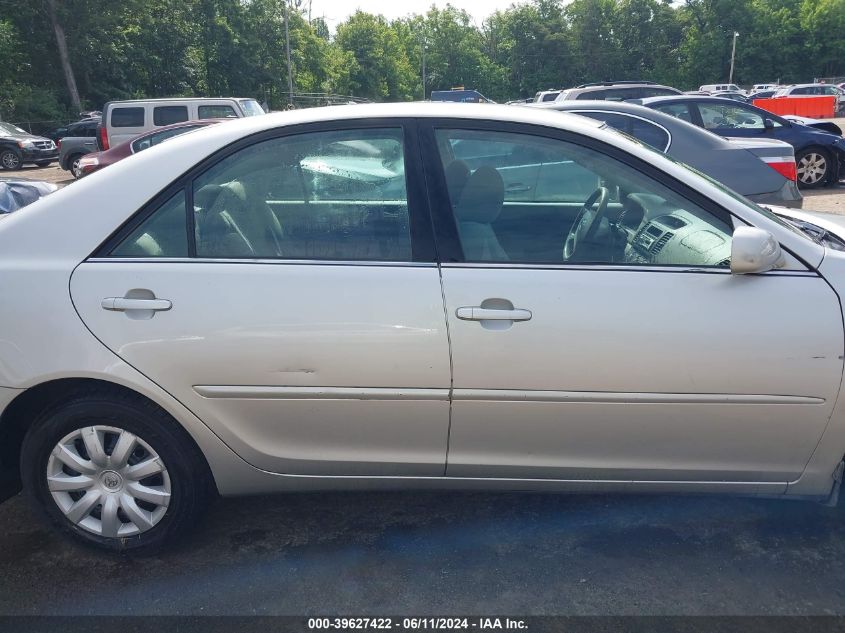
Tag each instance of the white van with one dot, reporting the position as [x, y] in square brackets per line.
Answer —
[721, 88]
[124, 120]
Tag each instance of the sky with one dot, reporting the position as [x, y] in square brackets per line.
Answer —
[336, 11]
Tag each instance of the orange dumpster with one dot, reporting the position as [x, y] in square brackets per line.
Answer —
[811, 107]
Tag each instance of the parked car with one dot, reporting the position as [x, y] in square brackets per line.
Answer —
[616, 91]
[546, 95]
[84, 127]
[459, 95]
[736, 96]
[264, 307]
[124, 120]
[827, 229]
[711, 88]
[761, 169]
[71, 151]
[16, 193]
[763, 94]
[820, 124]
[18, 148]
[98, 160]
[811, 90]
[820, 156]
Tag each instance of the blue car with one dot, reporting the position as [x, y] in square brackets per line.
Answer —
[819, 155]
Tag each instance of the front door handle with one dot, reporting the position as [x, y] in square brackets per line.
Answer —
[122, 304]
[477, 313]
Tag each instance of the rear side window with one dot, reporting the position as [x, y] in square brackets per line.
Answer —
[678, 110]
[167, 115]
[596, 95]
[127, 117]
[657, 92]
[216, 112]
[163, 234]
[337, 195]
[643, 131]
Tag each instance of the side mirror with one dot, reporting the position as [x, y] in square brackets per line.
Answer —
[754, 250]
[768, 124]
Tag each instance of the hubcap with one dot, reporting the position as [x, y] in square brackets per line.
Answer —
[10, 160]
[108, 481]
[812, 168]
[77, 172]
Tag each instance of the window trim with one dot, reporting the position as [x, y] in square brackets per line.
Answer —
[445, 227]
[423, 248]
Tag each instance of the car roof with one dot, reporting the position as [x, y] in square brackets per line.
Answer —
[164, 99]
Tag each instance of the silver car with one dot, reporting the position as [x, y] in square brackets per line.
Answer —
[409, 296]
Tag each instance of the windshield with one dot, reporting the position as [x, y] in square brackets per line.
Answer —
[8, 128]
[251, 107]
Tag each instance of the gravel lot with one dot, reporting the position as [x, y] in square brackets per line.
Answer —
[435, 553]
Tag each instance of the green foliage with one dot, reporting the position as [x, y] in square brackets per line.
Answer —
[237, 47]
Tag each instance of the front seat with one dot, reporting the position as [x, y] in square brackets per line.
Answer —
[479, 205]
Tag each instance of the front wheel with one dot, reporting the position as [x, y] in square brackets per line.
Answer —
[10, 160]
[114, 472]
[813, 166]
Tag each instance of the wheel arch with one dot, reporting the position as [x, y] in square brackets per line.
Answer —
[18, 415]
[67, 161]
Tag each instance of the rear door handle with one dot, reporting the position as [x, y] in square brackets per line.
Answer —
[517, 187]
[122, 304]
[477, 313]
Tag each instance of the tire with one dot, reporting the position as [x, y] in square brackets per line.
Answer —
[10, 160]
[127, 511]
[73, 162]
[43, 163]
[814, 167]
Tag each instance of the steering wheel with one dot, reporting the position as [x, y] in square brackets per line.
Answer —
[587, 222]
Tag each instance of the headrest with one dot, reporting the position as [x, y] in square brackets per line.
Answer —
[482, 198]
[457, 174]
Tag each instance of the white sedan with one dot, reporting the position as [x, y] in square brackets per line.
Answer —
[406, 296]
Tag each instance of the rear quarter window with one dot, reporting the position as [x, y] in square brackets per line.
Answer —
[127, 117]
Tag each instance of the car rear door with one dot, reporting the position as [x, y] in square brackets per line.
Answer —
[297, 308]
[639, 357]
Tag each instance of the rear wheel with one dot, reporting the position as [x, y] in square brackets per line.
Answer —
[114, 472]
[10, 159]
[75, 168]
[813, 167]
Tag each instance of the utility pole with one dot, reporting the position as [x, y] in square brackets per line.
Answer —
[423, 69]
[287, 48]
[733, 58]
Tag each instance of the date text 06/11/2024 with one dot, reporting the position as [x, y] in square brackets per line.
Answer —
[416, 624]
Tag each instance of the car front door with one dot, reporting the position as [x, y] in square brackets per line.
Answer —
[618, 346]
[295, 307]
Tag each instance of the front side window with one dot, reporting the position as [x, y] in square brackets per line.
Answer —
[127, 117]
[581, 206]
[329, 195]
[717, 116]
[216, 112]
